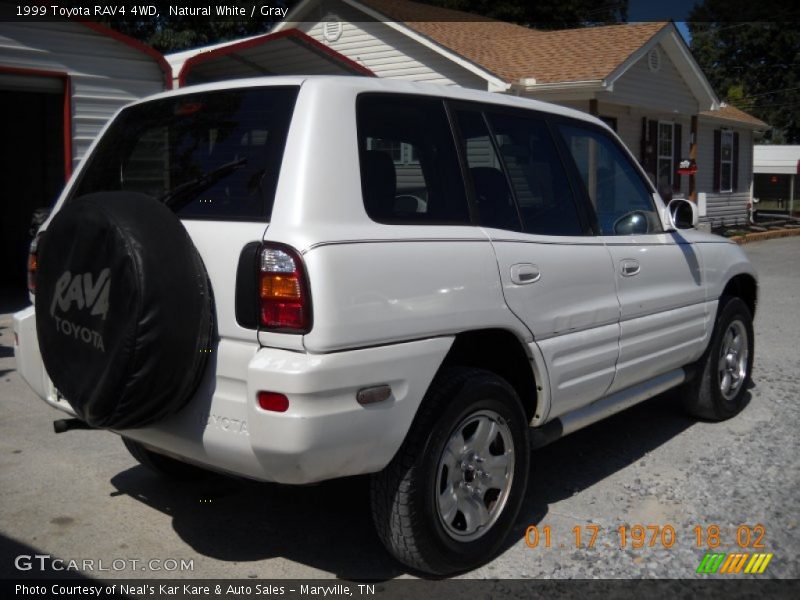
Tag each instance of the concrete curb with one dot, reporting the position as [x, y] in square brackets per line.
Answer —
[764, 235]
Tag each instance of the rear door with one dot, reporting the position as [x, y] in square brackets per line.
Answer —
[215, 158]
[556, 276]
[658, 274]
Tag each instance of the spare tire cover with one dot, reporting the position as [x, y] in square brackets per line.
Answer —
[123, 309]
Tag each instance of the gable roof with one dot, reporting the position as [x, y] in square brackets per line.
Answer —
[249, 53]
[509, 55]
[513, 52]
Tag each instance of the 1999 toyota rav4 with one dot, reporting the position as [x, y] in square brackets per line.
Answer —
[294, 279]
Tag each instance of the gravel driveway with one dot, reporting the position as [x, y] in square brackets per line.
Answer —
[80, 496]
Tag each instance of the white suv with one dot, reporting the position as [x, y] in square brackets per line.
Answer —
[294, 279]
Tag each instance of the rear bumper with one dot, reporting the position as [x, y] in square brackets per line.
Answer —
[324, 434]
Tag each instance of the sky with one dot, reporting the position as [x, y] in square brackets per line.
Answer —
[655, 10]
[684, 29]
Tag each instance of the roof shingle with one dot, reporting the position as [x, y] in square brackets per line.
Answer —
[731, 113]
[513, 52]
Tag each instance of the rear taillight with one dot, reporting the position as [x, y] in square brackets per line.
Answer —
[284, 299]
[33, 264]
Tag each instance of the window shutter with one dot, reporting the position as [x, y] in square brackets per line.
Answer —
[717, 158]
[735, 185]
[676, 161]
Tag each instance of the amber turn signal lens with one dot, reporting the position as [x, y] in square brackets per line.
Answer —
[281, 287]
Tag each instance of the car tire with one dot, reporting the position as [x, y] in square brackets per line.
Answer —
[165, 466]
[718, 390]
[448, 499]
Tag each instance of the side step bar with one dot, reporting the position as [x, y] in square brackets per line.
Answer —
[605, 407]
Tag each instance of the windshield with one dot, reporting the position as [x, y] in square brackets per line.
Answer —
[186, 145]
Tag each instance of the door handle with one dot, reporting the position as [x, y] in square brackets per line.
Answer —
[525, 273]
[630, 267]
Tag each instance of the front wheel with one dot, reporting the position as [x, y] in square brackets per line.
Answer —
[450, 496]
[718, 391]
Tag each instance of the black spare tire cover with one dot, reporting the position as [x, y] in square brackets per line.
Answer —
[123, 309]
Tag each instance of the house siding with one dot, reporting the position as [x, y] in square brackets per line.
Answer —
[389, 53]
[664, 90]
[728, 208]
[104, 73]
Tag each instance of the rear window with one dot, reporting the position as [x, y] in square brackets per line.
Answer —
[213, 155]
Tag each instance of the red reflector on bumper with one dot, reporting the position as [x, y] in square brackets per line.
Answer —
[273, 401]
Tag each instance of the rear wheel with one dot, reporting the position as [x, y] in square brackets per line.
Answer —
[450, 496]
[163, 465]
[718, 390]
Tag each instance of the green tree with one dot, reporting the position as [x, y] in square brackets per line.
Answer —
[752, 63]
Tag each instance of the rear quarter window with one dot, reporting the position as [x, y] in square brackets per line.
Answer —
[213, 155]
[410, 173]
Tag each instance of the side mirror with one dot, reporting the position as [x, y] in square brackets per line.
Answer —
[682, 214]
[631, 223]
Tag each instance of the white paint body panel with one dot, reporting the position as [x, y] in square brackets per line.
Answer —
[219, 245]
[572, 310]
[388, 302]
[663, 319]
[390, 291]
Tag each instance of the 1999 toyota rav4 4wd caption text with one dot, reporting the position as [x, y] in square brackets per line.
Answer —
[294, 279]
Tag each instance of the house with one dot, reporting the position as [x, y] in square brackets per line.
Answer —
[60, 82]
[776, 170]
[640, 78]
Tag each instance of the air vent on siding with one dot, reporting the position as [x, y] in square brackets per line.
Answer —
[654, 60]
[332, 28]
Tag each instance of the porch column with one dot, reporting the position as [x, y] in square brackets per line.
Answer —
[693, 156]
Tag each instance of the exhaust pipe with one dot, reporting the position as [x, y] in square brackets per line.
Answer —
[62, 425]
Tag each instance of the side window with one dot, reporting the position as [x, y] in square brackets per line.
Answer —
[621, 199]
[493, 198]
[409, 167]
[544, 197]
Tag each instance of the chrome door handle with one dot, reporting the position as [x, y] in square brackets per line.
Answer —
[525, 273]
[630, 267]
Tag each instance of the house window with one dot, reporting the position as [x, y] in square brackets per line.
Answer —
[726, 162]
[666, 156]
